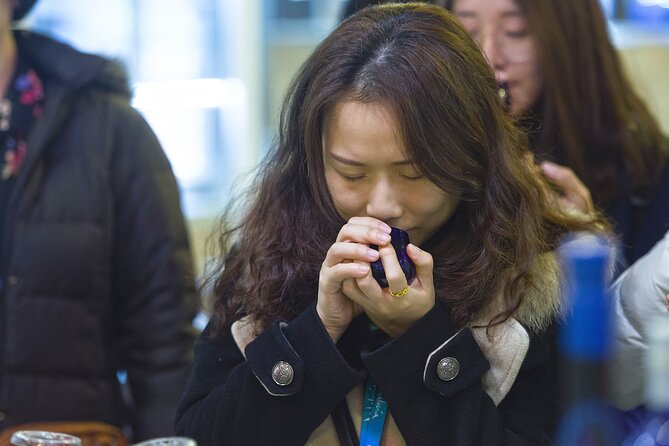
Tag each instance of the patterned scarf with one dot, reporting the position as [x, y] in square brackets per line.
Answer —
[18, 112]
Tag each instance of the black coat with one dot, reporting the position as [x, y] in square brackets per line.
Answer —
[640, 221]
[97, 272]
[232, 399]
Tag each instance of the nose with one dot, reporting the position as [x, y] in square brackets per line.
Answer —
[384, 201]
[491, 49]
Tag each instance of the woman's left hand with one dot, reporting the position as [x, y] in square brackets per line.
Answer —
[395, 314]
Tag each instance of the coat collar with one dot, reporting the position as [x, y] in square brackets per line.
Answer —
[504, 345]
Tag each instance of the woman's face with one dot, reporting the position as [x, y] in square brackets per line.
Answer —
[368, 173]
[500, 28]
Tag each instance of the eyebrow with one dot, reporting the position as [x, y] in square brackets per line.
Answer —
[357, 163]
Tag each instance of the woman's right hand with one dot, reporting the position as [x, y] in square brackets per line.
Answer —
[573, 194]
[348, 257]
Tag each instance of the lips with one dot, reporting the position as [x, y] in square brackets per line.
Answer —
[399, 239]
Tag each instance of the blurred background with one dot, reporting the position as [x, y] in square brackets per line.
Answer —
[209, 75]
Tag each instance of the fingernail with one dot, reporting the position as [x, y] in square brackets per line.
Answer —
[385, 228]
[383, 237]
[364, 269]
[372, 253]
[547, 166]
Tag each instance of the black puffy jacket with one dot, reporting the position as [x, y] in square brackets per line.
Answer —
[97, 274]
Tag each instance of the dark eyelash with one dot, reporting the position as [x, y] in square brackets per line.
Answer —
[353, 179]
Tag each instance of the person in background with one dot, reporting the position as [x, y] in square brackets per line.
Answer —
[639, 298]
[96, 273]
[593, 136]
[393, 121]
[350, 7]
[596, 141]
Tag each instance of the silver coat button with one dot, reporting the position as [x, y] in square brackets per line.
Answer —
[282, 373]
[13, 280]
[448, 368]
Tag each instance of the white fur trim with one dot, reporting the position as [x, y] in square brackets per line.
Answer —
[243, 332]
[505, 349]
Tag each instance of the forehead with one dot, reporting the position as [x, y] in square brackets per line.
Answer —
[360, 117]
[364, 130]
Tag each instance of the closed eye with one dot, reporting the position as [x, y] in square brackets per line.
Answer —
[353, 179]
[413, 177]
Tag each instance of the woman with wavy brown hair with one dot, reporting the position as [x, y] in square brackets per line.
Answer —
[392, 122]
[566, 85]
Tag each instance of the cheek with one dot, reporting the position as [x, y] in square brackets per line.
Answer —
[437, 207]
[446, 210]
[346, 201]
[431, 215]
[528, 90]
[534, 77]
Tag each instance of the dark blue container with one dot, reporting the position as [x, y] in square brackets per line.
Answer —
[586, 334]
[585, 345]
[399, 239]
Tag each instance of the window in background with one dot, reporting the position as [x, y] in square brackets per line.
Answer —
[609, 7]
[640, 31]
[651, 12]
[636, 23]
[293, 28]
[193, 67]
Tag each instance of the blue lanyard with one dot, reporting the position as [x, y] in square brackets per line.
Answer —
[374, 412]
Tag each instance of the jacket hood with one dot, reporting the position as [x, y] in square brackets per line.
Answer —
[542, 303]
[63, 64]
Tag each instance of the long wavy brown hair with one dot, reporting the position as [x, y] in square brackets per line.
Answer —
[416, 59]
[590, 116]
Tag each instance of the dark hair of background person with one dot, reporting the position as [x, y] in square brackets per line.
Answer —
[444, 96]
[589, 111]
[350, 7]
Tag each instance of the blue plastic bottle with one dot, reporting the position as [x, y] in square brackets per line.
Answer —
[585, 345]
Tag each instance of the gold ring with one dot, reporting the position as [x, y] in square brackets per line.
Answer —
[399, 293]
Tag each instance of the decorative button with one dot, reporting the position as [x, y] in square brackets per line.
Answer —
[448, 368]
[282, 373]
[2, 416]
[13, 280]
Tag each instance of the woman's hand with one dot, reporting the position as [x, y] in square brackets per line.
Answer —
[395, 314]
[572, 193]
[348, 259]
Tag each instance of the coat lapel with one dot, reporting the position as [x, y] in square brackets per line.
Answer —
[504, 345]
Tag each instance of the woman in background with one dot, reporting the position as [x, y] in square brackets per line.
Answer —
[394, 120]
[566, 86]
